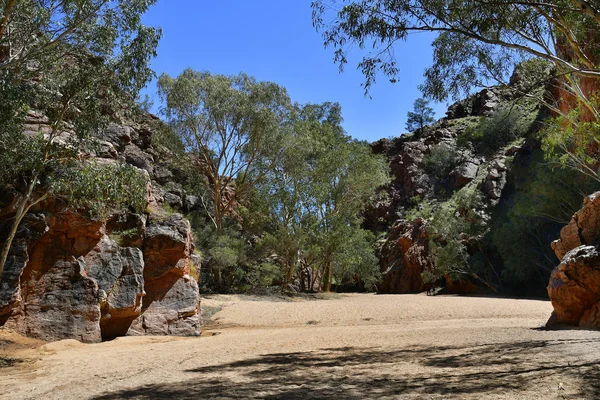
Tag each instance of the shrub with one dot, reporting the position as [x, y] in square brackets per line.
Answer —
[440, 160]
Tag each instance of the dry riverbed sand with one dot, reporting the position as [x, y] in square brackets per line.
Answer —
[342, 347]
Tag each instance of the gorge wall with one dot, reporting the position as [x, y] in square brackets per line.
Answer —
[69, 276]
[418, 189]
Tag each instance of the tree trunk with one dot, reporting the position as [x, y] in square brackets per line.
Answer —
[24, 206]
[327, 277]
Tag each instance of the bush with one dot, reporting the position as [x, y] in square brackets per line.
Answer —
[498, 130]
[451, 227]
[440, 160]
[102, 189]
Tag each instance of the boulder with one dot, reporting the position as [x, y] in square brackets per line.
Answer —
[583, 229]
[574, 288]
[174, 200]
[171, 307]
[464, 173]
[62, 303]
[68, 279]
[119, 274]
[136, 157]
[118, 135]
[167, 246]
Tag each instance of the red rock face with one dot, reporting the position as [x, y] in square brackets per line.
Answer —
[584, 228]
[404, 257]
[574, 286]
[74, 281]
[70, 277]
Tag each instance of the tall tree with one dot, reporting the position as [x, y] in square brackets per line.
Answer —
[75, 62]
[421, 116]
[227, 124]
[317, 192]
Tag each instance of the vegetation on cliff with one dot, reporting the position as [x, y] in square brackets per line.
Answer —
[277, 192]
[74, 65]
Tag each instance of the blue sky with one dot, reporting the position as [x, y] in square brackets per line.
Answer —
[274, 40]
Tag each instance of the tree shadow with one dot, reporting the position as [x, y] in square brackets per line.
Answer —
[357, 373]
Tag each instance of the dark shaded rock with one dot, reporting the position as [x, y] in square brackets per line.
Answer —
[136, 157]
[407, 169]
[403, 258]
[118, 135]
[127, 229]
[162, 174]
[144, 138]
[173, 200]
[464, 173]
[105, 149]
[192, 203]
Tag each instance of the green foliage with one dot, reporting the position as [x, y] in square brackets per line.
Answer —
[355, 264]
[101, 189]
[569, 142]
[77, 63]
[450, 228]
[120, 237]
[423, 208]
[310, 198]
[227, 124]
[501, 128]
[544, 200]
[477, 42]
[421, 116]
[262, 275]
[440, 160]
[38, 33]
[504, 126]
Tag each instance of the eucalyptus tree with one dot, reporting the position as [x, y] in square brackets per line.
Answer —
[344, 176]
[75, 64]
[479, 42]
[228, 124]
[317, 191]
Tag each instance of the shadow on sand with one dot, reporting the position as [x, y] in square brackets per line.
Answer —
[358, 373]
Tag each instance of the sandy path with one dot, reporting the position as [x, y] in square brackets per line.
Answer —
[351, 347]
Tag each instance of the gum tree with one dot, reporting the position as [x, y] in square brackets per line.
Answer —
[227, 124]
[478, 42]
[77, 63]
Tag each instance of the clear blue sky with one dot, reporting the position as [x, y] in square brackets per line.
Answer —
[274, 40]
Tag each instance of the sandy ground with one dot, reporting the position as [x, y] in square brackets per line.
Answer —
[346, 347]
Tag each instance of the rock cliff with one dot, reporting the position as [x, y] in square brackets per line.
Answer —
[431, 168]
[69, 276]
[574, 286]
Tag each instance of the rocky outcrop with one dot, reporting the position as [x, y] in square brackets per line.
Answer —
[171, 304]
[404, 254]
[69, 276]
[403, 258]
[75, 281]
[583, 229]
[574, 286]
